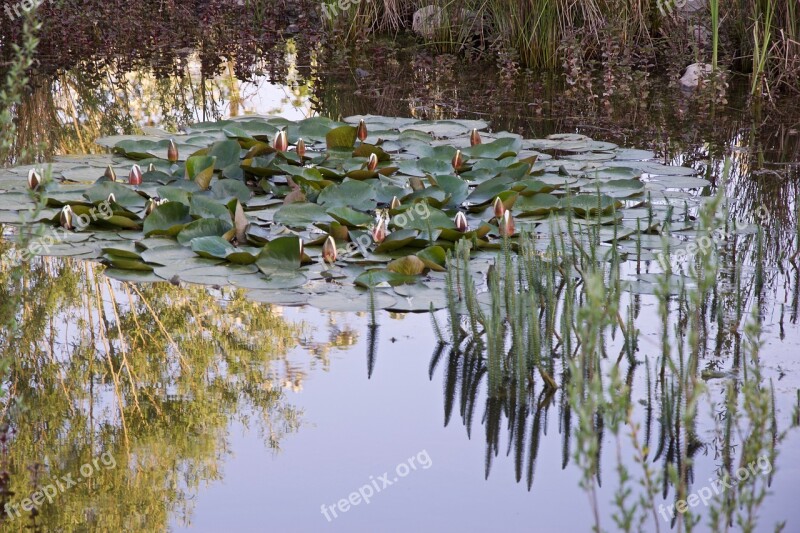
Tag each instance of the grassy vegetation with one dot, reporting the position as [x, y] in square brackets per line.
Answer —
[758, 36]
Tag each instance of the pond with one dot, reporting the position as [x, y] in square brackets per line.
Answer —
[203, 385]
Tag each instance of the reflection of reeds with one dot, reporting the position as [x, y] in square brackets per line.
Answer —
[561, 314]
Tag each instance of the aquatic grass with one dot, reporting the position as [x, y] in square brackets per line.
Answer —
[758, 36]
[565, 305]
[762, 35]
[713, 6]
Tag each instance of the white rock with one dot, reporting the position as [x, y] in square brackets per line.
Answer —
[427, 20]
[694, 73]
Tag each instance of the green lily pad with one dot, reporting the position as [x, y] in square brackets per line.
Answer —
[341, 137]
[300, 215]
[167, 219]
[350, 217]
[200, 169]
[373, 278]
[434, 258]
[204, 228]
[212, 247]
[410, 265]
[280, 255]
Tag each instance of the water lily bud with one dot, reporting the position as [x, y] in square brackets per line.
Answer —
[172, 152]
[302, 248]
[111, 198]
[34, 179]
[152, 203]
[395, 203]
[135, 177]
[458, 160]
[372, 164]
[361, 130]
[281, 141]
[110, 174]
[379, 231]
[151, 167]
[499, 208]
[329, 250]
[301, 148]
[507, 228]
[66, 217]
[474, 137]
[461, 222]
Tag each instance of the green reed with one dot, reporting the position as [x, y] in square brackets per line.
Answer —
[758, 36]
[555, 307]
[762, 35]
[713, 6]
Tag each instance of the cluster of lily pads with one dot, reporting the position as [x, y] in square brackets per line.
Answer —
[318, 211]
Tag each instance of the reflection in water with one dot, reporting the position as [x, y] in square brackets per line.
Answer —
[154, 375]
[151, 375]
[688, 386]
[65, 114]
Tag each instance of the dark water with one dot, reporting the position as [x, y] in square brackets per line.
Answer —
[221, 414]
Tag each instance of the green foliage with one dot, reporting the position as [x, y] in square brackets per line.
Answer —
[15, 83]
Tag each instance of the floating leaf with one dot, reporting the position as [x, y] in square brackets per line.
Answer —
[409, 265]
[538, 204]
[226, 153]
[167, 219]
[204, 228]
[350, 217]
[282, 254]
[373, 278]
[300, 215]
[396, 240]
[341, 137]
[434, 258]
[206, 207]
[211, 247]
[585, 204]
[200, 169]
[126, 262]
[226, 190]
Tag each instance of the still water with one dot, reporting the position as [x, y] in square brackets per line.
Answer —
[225, 414]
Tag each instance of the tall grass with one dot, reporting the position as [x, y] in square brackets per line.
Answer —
[762, 37]
[758, 36]
[713, 7]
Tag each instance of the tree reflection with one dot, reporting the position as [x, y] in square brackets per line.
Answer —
[152, 375]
